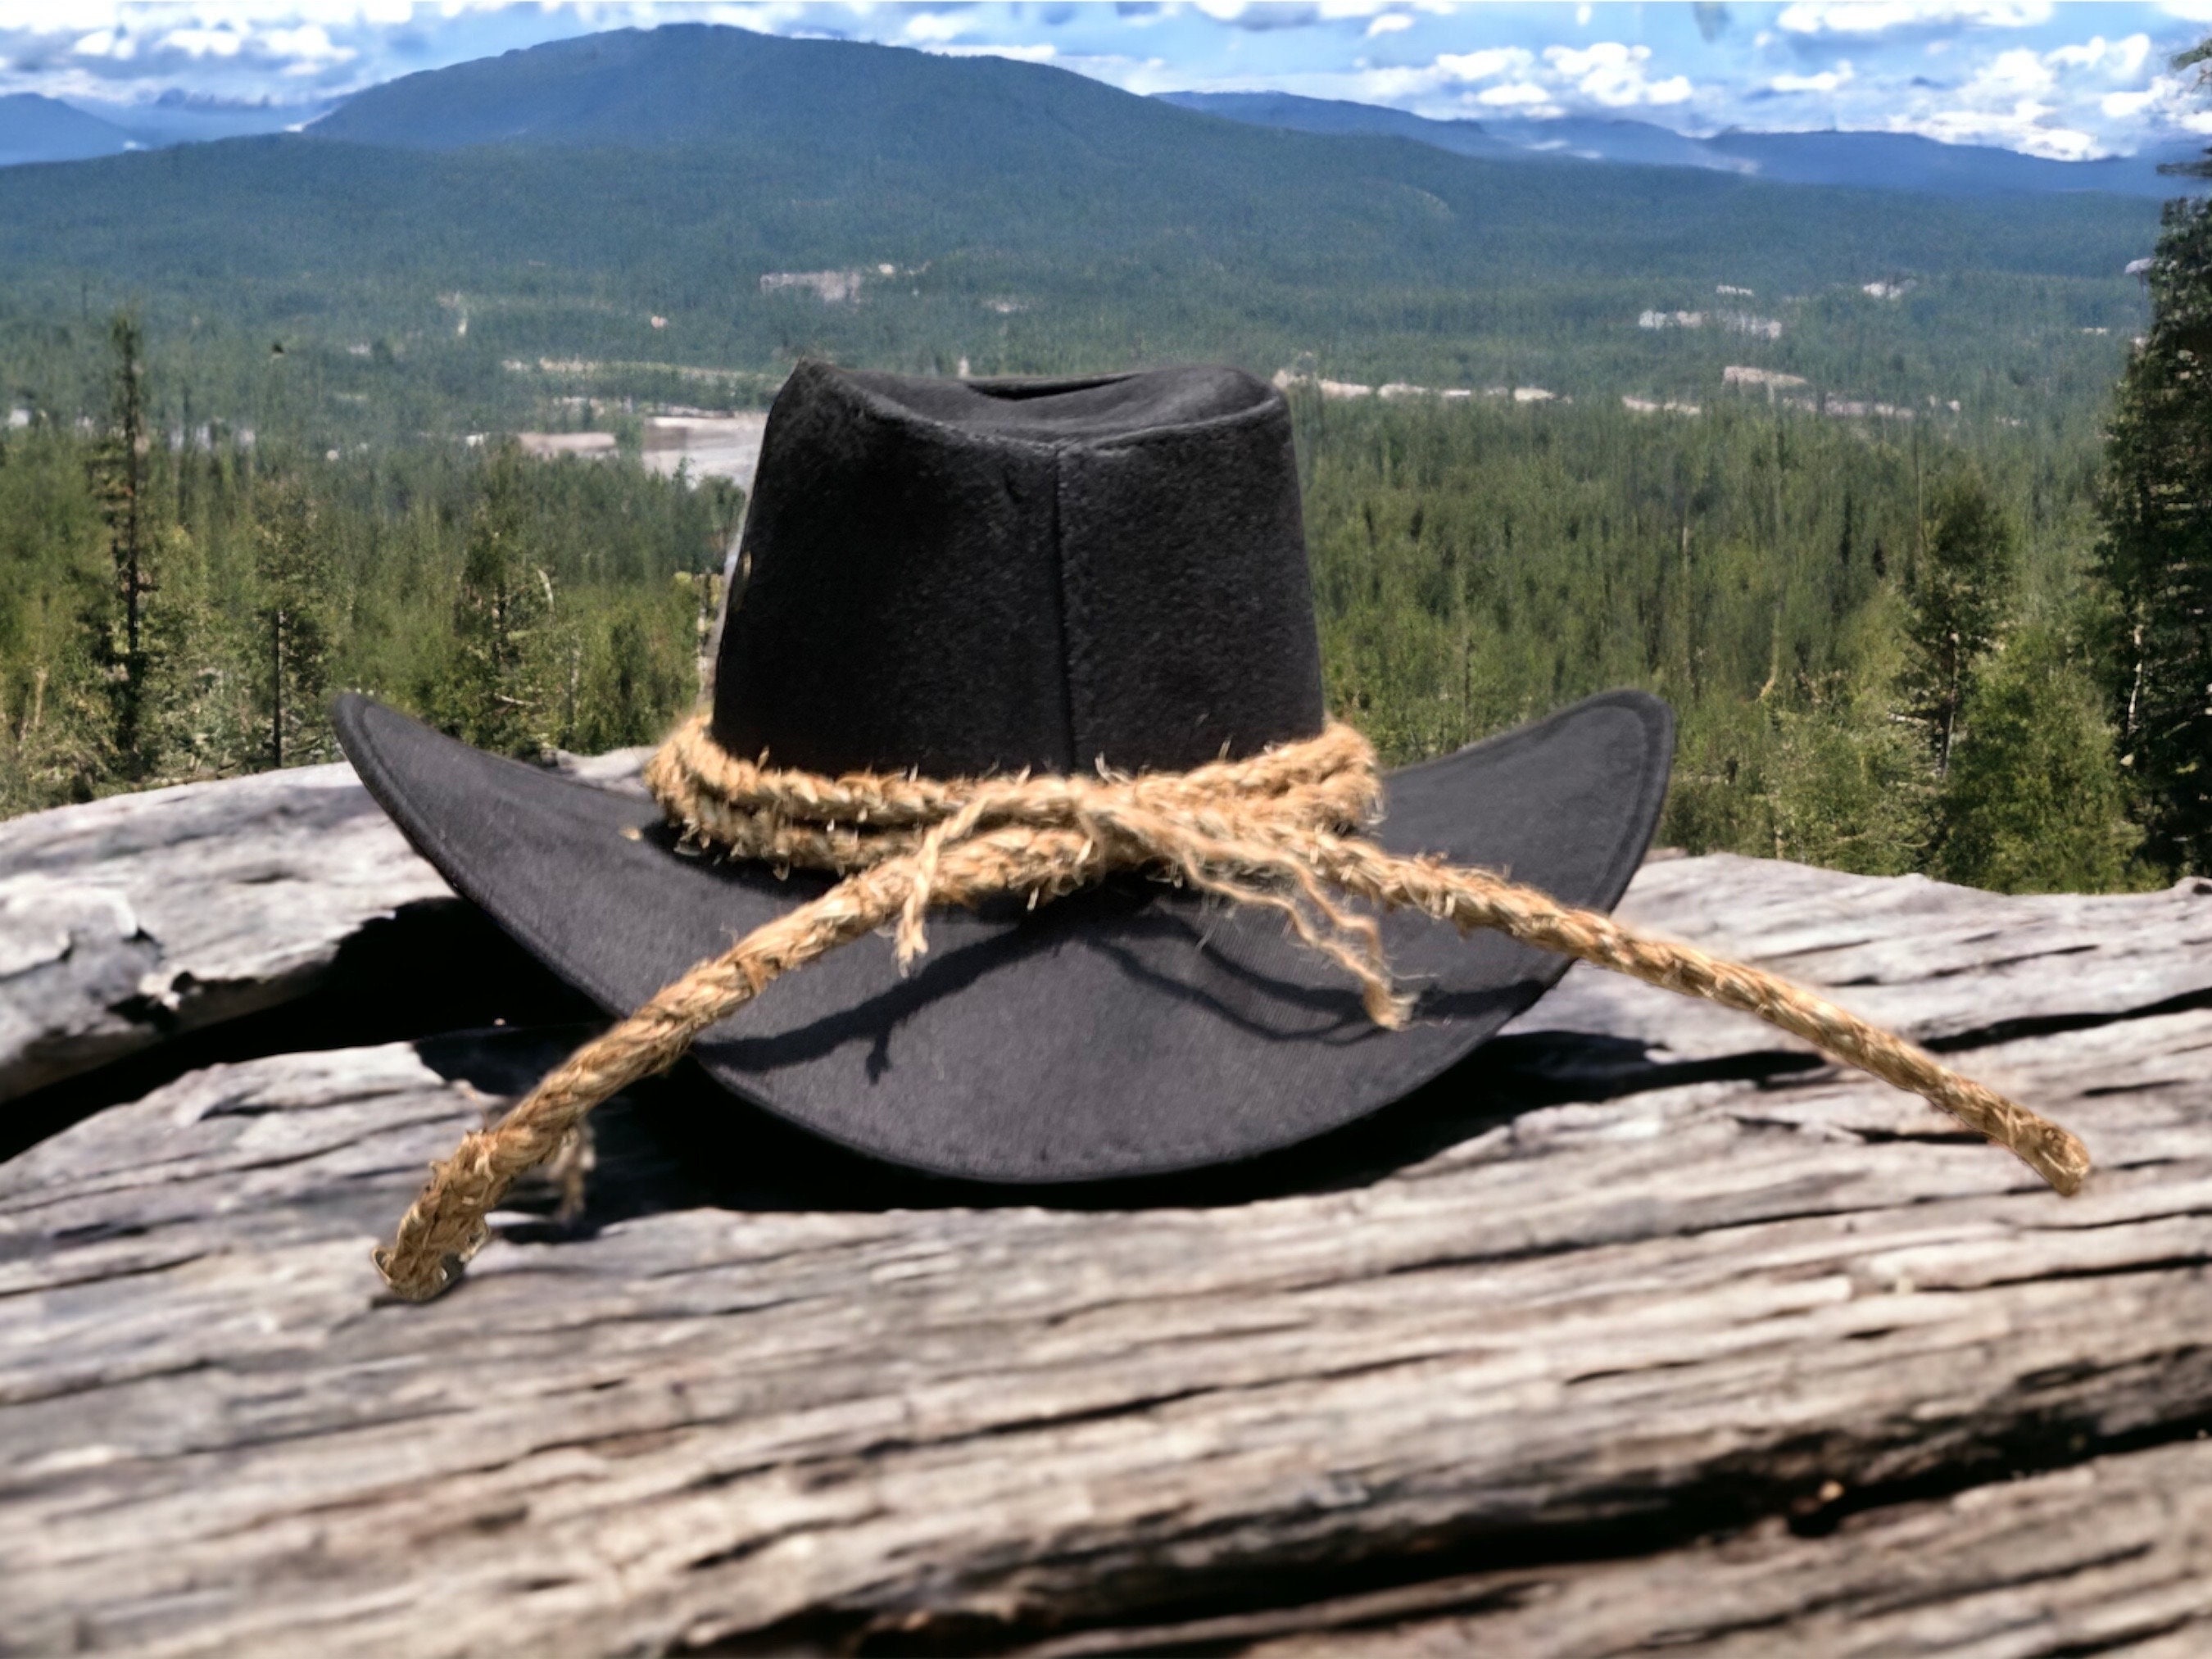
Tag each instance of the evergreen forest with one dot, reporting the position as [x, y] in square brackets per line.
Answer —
[1910, 524]
[172, 611]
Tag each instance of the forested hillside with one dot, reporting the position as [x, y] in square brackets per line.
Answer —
[1821, 466]
[549, 205]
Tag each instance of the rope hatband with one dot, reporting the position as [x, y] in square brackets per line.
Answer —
[1282, 831]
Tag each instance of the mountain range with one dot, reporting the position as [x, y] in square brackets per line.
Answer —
[588, 91]
[814, 153]
[576, 91]
[38, 129]
[1866, 160]
[626, 202]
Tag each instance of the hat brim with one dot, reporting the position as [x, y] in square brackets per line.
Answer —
[1134, 1030]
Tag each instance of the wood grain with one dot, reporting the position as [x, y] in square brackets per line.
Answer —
[2111, 1555]
[732, 1416]
[130, 922]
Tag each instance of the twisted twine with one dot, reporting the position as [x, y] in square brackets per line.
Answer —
[1281, 831]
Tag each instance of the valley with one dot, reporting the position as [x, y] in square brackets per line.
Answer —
[1690, 425]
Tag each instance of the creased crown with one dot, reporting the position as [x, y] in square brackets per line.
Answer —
[970, 576]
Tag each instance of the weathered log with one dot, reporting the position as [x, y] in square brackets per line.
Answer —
[128, 922]
[129, 918]
[2110, 1555]
[1636, 1277]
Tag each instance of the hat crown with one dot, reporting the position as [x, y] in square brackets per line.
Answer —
[973, 576]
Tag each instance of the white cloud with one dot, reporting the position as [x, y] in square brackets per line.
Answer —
[205, 43]
[1607, 74]
[1143, 77]
[111, 52]
[1336, 10]
[935, 26]
[60, 17]
[2120, 57]
[1864, 18]
[1582, 60]
[64, 15]
[1519, 93]
[1611, 74]
[304, 50]
[2023, 129]
[2014, 73]
[1826, 80]
[1485, 65]
[1265, 15]
[1396, 84]
[2073, 101]
[1259, 16]
[2091, 51]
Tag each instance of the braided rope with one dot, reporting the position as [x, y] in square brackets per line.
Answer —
[1280, 831]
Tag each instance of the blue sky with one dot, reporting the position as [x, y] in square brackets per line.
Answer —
[2065, 80]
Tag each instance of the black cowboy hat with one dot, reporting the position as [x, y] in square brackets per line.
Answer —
[967, 577]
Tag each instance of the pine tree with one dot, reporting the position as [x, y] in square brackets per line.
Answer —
[1848, 786]
[292, 575]
[1956, 601]
[194, 725]
[499, 694]
[638, 672]
[1848, 789]
[119, 481]
[2035, 801]
[2156, 554]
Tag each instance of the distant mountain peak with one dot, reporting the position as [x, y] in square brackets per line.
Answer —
[684, 82]
[33, 127]
[1865, 161]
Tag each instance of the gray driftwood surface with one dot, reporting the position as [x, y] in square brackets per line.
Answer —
[132, 921]
[1644, 1332]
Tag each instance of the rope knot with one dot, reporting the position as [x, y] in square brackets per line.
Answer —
[1232, 828]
